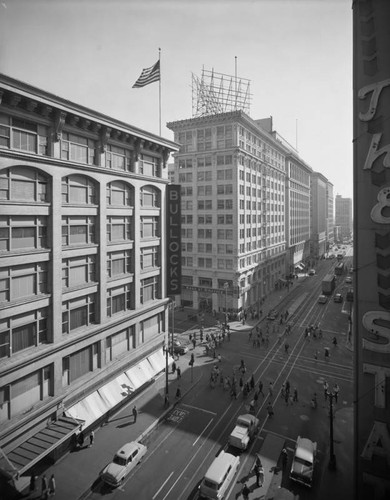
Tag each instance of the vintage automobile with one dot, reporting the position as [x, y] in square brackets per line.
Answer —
[178, 347]
[322, 299]
[302, 467]
[124, 461]
[246, 427]
[337, 297]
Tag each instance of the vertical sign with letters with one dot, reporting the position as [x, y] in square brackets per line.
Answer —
[372, 247]
[173, 239]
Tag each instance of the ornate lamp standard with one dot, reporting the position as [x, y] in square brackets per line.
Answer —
[226, 286]
[332, 456]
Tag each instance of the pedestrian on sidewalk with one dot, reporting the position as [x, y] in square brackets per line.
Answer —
[52, 486]
[245, 492]
[178, 371]
[178, 392]
[257, 472]
[44, 488]
[261, 388]
[295, 397]
[173, 367]
[286, 346]
[135, 413]
[252, 382]
[284, 458]
[32, 482]
[91, 438]
[81, 439]
[270, 390]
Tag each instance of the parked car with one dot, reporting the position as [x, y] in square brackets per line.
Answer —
[311, 272]
[338, 297]
[302, 467]
[178, 347]
[246, 427]
[348, 279]
[322, 299]
[124, 461]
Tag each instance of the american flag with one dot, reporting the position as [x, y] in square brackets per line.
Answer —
[148, 75]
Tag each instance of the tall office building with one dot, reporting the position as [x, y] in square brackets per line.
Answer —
[298, 212]
[232, 173]
[343, 216]
[83, 308]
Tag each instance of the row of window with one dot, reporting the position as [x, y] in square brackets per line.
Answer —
[24, 393]
[26, 232]
[23, 135]
[19, 282]
[29, 185]
[28, 330]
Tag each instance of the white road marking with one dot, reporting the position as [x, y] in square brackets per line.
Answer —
[200, 409]
[162, 486]
[200, 435]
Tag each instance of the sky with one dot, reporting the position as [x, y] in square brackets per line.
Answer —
[297, 55]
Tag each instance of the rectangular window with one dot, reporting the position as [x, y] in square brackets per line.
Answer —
[78, 231]
[149, 289]
[118, 229]
[118, 300]
[149, 258]
[149, 227]
[22, 332]
[77, 148]
[78, 313]
[23, 135]
[78, 271]
[23, 281]
[118, 263]
[118, 158]
[18, 232]
[148, 165]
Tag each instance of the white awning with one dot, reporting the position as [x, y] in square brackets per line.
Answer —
[112, 393]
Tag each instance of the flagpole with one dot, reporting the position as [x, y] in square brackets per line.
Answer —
[159, 91]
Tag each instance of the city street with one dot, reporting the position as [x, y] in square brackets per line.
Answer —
[183, 446]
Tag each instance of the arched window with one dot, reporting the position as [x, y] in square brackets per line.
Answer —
[23, 184]
[79, 190]
[118, 193]
[150, 197]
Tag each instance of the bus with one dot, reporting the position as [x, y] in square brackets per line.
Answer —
[339, 269]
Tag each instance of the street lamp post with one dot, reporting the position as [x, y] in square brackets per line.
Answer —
[332, 456]
[226, 286]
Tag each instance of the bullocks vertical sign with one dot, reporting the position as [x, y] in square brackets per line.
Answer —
[173, 239]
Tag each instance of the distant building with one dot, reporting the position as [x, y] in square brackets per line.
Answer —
[329, 215]
[319, 215]
[343, 216]
[83, 307]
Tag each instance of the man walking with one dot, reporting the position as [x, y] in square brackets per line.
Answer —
[135, 413]
[91, 438]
